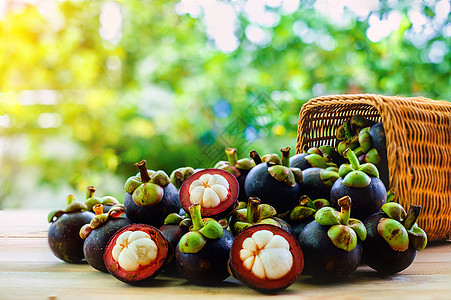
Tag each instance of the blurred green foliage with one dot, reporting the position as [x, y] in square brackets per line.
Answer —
[77, 109]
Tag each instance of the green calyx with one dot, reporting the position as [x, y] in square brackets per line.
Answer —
[254, 213]
[344, 231]
[101, 218]
[304, 210]
[91, 200]
[365, 140]
[285, 174]
[173, 219]
[317, 161]
[394, 211]
[272, 158]
[328, 152]
[373, 157]
[72, 207]
[234, 165]
[354, 174]
[178, 176]
[393, 233]
[400, 228]
[329, 176]
[147, 187]
[201, 231]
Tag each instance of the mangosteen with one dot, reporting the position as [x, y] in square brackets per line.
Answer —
[393, 238]
[178, 176]
[174, 227]
[238, 167]
[266, 258]
[202, 254]
[150, 196]
[379, 142]
[136, 253]
[215, 190]
[304, 213]
[98, 232]
[314, 157]
[255, 213]
[107, 201]
[362, 184]
[317, 182]
[276, 185]
[332, 243]
[65, 225]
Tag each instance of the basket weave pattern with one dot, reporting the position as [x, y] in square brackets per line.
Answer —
[418, 134]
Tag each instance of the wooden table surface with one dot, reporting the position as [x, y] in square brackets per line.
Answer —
[28, 270]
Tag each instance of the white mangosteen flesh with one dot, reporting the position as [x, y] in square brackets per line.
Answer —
[209, 190]
[266, 255]
[134, 249]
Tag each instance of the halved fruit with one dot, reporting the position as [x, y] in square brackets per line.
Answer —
[266, 258]
[136, 252]
[215, 190]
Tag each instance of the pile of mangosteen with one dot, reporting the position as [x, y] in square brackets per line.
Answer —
[263, 220]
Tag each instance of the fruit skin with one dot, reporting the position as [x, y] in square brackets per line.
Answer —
[259, 183]
[153, 215]
[209, 265]
[97, 240]
[173, 233]
[379, 142]
[267, 286]
[299, 161]
[378, 254]
[315, 187]
[322, 259]
[365, 201]
[63, 237]
[137, 277]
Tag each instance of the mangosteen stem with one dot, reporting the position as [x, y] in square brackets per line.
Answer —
[285, 156]
[98, 209]
[255, 157]
[306, 201]
[252, 209]
[143, 171]
[70, 199]
[349, 154]
[345, 204]
[90, 190]
[412, 216]
[231, 156]
[196, 217]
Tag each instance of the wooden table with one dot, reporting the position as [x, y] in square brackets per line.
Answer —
[28, 270]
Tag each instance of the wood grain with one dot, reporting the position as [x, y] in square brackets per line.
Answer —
[28, 270]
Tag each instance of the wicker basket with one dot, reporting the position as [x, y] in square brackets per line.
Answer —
[418, 133]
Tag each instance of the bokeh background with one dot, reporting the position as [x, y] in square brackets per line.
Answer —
[88, 88]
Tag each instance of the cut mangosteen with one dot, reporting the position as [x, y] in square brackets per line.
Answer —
[266, 258]
[136, 253]
[98, 232]
[274, 184]
[215, 190]
[63, 237]
[150, 196]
